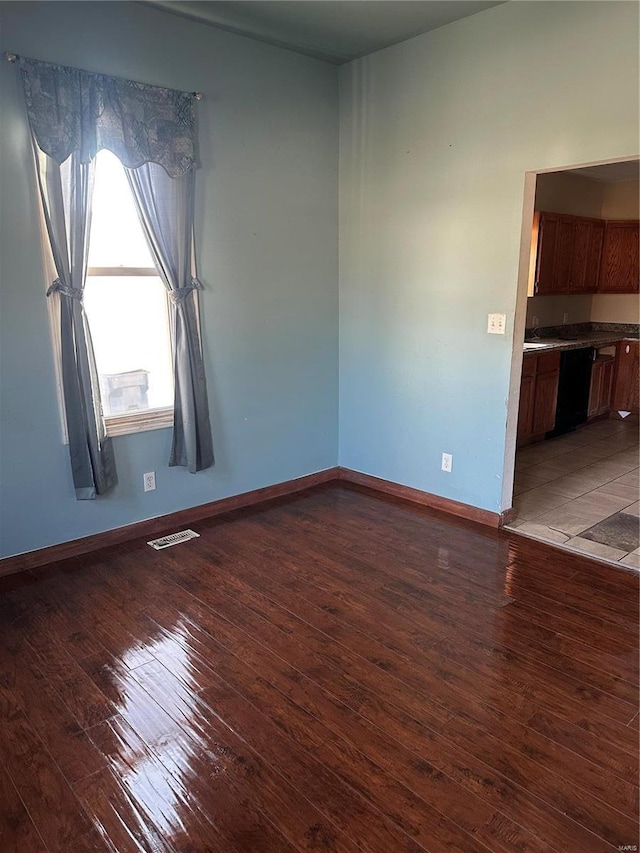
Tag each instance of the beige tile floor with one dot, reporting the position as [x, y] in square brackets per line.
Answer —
[567, 484]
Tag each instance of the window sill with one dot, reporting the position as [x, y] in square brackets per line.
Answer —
[139, 422]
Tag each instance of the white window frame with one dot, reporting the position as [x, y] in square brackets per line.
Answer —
[148, 419]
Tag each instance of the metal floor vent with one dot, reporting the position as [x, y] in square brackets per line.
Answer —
[173, 539]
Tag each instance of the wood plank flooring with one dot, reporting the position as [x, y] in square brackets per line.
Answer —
[331, 672]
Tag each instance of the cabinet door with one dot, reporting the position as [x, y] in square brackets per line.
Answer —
[546, 398]
[595, 390]
[626, 394]
[606, 386]
[545, 260]
[594, 257]
[620, 266]
[601, 387]
[525, 412]
[564, 254]
[587, 251]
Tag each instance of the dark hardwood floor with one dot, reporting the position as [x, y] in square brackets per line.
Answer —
[332, 672]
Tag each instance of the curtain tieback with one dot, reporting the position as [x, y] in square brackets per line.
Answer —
[179, 295]
[59, 287]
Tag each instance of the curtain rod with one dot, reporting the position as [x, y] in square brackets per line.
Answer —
[13, 57]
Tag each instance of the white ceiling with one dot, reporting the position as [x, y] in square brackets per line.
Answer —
[611, 173]
[336, 31]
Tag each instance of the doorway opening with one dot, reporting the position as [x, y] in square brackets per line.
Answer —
[572, 475]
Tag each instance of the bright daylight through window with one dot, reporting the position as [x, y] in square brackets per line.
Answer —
[127, 308]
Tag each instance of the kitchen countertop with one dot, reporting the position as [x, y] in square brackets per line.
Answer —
[590, 339]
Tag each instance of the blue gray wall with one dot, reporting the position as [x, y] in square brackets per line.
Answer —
[267, 241]
[436, 136]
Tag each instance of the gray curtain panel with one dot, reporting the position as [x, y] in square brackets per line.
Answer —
[72, 115]
[165, 207]
[66, 199]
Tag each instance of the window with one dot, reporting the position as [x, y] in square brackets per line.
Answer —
[127, 309]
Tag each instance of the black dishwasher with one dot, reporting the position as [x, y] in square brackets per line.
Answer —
[573, 390]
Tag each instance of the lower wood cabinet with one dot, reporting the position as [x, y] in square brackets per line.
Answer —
[527, 395]
[538, 395]
[601, 386]
[544, 406]
[626, 392]
[615, 385]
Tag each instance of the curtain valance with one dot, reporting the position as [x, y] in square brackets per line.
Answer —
[71, 110]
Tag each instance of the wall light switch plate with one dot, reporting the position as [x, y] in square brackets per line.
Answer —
[497, 324]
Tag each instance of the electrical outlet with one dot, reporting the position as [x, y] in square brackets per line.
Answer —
[565, 318]
[149, 481]
[447, 462]
[497, 324]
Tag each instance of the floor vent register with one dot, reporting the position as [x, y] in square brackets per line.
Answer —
[173, 539]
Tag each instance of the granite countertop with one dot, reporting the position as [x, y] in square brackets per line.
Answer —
[588, 339]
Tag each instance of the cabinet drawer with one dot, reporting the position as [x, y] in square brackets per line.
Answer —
[548, 362]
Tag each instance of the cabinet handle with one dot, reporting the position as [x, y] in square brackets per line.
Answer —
[627, 348]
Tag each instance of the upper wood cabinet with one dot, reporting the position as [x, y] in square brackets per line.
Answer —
[620, 267]
[587, 254]
[563, 265]
[548, 228]
[576, 254]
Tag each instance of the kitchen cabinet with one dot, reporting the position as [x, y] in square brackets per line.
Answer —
[546, 394]
[626, 393]
[527, 393]
[587, 255]
[576, 254]
[620, 265]
[538, 395]
[601, 386]
[554, 262]
[548, 228]
[563, 263]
